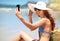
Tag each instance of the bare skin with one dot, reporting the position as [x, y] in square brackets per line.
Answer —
[43, 22]
[30, 16]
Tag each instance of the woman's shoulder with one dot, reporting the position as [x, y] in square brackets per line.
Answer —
[45, 20]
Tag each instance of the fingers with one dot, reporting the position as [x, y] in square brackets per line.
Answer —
[16, 11]
[30, 11]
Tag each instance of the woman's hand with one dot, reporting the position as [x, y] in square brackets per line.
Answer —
[18, 13]
[30, 16]
[30, 13]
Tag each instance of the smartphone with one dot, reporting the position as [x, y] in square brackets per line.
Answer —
[18, 6]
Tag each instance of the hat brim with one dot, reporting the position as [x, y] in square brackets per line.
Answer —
[32, 6]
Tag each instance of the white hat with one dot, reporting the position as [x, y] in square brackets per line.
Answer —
[39, 5]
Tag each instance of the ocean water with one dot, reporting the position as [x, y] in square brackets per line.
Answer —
[10, 25]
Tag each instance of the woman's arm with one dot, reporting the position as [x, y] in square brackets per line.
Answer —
[28, 24]
[30, 15]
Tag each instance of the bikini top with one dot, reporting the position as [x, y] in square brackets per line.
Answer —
[41, 29]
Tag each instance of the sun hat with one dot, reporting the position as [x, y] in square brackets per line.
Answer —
[39, 5]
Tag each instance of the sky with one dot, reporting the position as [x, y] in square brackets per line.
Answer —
[21, 2]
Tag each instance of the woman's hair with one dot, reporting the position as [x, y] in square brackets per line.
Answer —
[46, 13]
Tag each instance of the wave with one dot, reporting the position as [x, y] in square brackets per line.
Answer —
[6, 9]
[11, 9]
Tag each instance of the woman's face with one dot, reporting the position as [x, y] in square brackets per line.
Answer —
[39, 12]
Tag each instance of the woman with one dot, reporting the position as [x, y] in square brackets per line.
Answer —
[46, 24]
